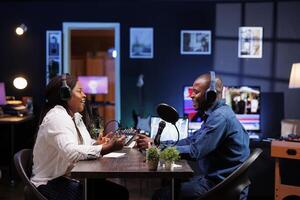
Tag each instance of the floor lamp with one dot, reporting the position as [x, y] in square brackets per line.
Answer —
[290, 128]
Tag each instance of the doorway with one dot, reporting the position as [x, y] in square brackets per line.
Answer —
[87, 49]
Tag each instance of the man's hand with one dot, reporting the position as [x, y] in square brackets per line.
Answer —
[143, 141]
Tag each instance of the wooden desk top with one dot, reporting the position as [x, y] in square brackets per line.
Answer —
[131, 165]
[285, 149]
[14, 119]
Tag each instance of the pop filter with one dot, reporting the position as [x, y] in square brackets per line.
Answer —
[167, 113]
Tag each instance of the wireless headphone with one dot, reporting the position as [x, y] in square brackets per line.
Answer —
[211, 92]
[65, 90]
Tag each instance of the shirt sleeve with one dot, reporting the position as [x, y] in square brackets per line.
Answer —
[63, 136]
[207, 139]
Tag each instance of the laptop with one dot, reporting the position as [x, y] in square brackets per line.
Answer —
[169, 132]
[2, 94]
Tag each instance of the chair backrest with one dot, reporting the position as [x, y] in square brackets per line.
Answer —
[23, 163]
[232, 186]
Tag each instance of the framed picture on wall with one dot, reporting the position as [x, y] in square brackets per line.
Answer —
[53, 54]
[250, 42]
[195, 42]
[141, 43]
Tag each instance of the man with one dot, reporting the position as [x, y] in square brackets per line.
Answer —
[220, 146]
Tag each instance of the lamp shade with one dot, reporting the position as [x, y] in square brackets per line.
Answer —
[295, 76]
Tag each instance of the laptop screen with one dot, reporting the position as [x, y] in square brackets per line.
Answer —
[2, 94]
[169, 132]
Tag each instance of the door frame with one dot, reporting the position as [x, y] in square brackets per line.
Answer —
[68, 26]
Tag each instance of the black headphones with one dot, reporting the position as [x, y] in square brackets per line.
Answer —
[65, 90]
[211, 92]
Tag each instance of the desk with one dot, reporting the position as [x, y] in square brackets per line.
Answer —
[12, 121]
[131, 165]
[289, 150]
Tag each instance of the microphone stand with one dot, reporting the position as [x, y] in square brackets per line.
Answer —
[166, 145]
[177, 135]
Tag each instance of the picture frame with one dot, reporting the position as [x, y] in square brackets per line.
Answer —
[195, 42]
[250, 43]
[141, 43]
[53, 54]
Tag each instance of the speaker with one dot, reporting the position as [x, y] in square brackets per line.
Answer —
[211, 92]
[65, 90]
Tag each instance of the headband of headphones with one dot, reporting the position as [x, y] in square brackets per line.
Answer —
[212, 81]
[65, 90]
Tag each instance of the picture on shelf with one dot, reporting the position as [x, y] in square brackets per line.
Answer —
[141, 43]
[53, 54]
[250, 42]
[195, 42]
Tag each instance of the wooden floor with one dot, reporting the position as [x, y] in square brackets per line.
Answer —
[8, 192]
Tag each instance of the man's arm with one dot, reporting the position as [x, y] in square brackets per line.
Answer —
[207, 139]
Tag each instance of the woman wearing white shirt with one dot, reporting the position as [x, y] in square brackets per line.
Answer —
[63, 139]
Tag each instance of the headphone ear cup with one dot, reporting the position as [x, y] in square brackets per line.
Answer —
[210, 96]
[211, 92]
[65, 93]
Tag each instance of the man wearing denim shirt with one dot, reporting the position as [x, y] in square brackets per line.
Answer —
[220, 146]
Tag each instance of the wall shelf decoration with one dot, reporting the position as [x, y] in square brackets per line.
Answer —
[195, 42]
[53, 54]
[141, 43]
[250, 42]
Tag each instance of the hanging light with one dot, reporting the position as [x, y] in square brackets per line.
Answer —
[20, 30]
[20, 83]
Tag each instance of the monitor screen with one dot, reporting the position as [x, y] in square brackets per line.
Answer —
[188, 109]
[2, 94]
[94, 84]
[169, 132]
[245, 102]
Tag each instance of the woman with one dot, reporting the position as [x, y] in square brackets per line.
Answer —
[63, 139]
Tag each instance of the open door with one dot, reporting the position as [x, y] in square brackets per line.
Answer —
[92, 49]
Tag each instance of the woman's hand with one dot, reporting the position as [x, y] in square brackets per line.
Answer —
[104, 139]
[143, 141]
[119, 143]
[115, 143]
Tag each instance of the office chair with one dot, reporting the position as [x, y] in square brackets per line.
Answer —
[23, 163]
[232, 186]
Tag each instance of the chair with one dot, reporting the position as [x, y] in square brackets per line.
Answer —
[23, 163]
[232, 186]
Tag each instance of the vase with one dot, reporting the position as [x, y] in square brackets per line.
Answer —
[168, 165]
[152, 165]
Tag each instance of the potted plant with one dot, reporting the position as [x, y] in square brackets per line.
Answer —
[152, 157]
[169, 155]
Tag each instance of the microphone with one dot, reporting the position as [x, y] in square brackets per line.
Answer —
[160, 129]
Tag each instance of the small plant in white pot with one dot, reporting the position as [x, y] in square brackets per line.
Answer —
[169, 155]
[152, 156]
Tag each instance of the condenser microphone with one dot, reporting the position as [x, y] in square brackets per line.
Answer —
[161, 126]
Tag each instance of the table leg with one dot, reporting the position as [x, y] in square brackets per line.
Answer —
[85, 188]
[12, 149]
[173, 189]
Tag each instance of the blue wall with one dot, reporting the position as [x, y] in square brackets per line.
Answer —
[167, 73]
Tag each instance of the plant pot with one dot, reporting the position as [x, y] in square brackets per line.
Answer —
[152, 165]
[168, 165]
